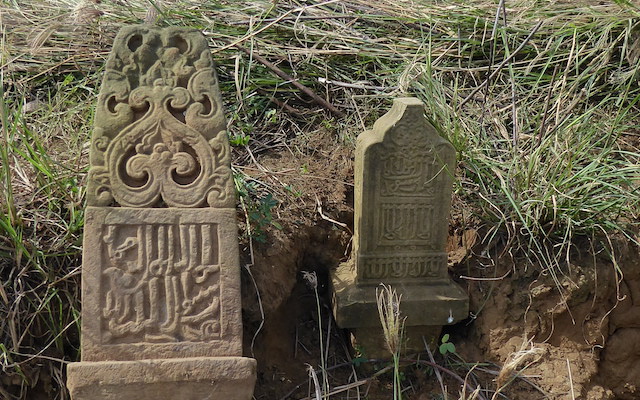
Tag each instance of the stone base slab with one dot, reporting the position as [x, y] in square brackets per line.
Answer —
[427, 307]
[434, 304]
[198, 378]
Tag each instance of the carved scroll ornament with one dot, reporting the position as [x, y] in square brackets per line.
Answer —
[160, 136]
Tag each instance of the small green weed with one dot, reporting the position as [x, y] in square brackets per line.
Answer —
[258, 208]
[240, 140]
[360, 356]
[446, 346]
[295, 192]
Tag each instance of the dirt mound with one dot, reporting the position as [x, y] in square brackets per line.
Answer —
[525, 323]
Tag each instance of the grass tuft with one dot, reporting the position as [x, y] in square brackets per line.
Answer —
[388, 302]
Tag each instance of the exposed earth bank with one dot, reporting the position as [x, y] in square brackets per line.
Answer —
[571, 334]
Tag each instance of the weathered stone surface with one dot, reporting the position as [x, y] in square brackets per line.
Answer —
[441, 303]
[160, 283]
[159, 136]
[220, 378]
[161, 271]
[403, 179]
[404, 173]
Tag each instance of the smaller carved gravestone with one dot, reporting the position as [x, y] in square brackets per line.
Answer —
[161, 274]
[403, 178]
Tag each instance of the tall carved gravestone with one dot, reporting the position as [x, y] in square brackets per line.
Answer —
[403, 179]
[161, 276]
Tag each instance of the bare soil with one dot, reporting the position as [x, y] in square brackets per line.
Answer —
[529, 339]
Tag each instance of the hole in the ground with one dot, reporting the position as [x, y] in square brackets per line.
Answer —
[290, 336]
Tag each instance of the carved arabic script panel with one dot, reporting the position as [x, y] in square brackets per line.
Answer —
[406, 223]
[411, 182]
[409, 171]
[161, 283]
[402, 266]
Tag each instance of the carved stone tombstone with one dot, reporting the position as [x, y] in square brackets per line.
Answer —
[403, 179]
[161, 275]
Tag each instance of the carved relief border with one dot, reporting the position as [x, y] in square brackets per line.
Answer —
[402, 267]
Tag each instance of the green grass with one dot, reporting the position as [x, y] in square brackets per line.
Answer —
[548, 152]
[40, 230]
[547, 149]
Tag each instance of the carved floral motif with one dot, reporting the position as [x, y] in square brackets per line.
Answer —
[160, 136]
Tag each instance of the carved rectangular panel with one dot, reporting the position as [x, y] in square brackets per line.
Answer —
[160, 283]
[400, 267]
[404, 223]
[408, 169]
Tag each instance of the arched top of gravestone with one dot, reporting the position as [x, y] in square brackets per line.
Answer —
[159, 138]
[404, 125]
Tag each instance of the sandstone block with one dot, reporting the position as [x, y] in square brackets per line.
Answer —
[161, 315]
[219, 378]
[160, 283]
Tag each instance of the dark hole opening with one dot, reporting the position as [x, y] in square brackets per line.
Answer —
[134, 42]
